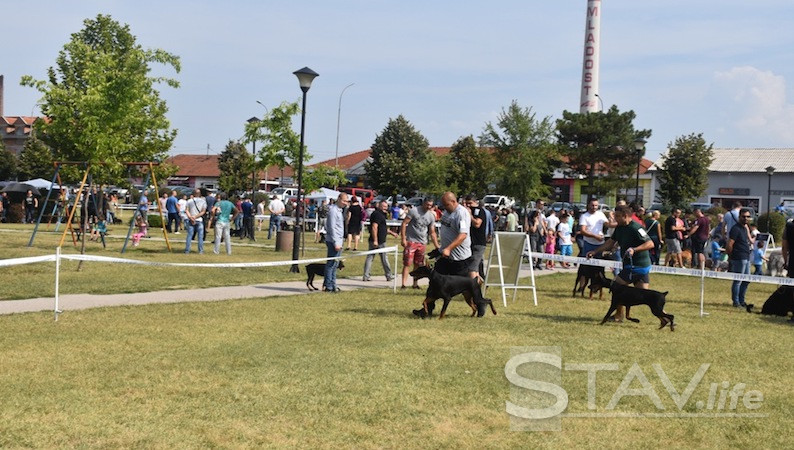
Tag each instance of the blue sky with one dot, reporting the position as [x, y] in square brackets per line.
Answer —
[722, 68]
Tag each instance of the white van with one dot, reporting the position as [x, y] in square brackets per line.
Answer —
[284, 193]
[498, 201]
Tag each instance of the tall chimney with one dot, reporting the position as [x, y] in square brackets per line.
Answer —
[1, 96]
[592, 56]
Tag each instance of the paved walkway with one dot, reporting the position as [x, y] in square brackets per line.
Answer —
[71, 302]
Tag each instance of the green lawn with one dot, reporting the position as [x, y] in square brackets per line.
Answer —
[358, 370]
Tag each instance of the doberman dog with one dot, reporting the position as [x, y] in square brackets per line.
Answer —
[594, 276]
[780, 303]
[629, 296]
[315, 269]
[448, 286]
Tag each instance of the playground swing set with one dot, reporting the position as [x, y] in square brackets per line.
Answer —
[82, 194]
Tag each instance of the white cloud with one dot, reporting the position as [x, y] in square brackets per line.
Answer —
[758, 104]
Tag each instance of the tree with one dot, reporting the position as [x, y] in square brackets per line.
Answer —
[683, 172]
[8, 163]
[434, 175]
[280, 144]
[322, 176]
[600, 146]
[100, 101]
[470, 168]
[234, 164]
[524, 151]
[35, 161]
[397, 156]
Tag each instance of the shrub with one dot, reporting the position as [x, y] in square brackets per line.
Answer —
[773, 223]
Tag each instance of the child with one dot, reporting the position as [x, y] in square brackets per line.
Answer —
[551, 241]
[716, 254]
[564, 232]
[99, 230]
[759, 258]
[142, 225]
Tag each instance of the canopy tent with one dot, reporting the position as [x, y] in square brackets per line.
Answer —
[41, 183]
[323, 193]
[20, 188]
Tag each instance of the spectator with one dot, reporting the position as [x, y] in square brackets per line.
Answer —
[699, 233]
[716, 254]
[788, 255]
[31, 205]
[739, 247]
[654, 229]
[195, 210]
[759, 258]
[4, 205]
[248, 219]
[276, 208]
[355, 217]
[512, 220]
[163, 203]
[673, 237]
[182, 206]
[260, 214]
[552, 221]
[478, 235]
[378, 231]
[224, 212]
[564, 234]
[172, 208]
[591, 227]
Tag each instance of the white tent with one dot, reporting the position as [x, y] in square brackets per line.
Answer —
[323, 193]
[41, 183]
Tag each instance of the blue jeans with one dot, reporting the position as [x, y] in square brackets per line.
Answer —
[330, 266]
[739, 288]
[198, 229]
[275, 224]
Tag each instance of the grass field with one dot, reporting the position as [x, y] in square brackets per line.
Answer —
[358, 370]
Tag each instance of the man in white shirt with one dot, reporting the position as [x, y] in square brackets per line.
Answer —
[195, 209]
[276, 208]
[591, 226]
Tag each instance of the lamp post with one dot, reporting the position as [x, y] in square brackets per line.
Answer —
[769, 171]
[639, 146]
[253, 167]
[338, 118]
[305, 77]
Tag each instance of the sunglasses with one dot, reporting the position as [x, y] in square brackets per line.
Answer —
[747, 217]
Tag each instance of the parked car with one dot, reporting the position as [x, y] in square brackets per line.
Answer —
[365, 195]
[400, 199]
[559, 206]
[498, 202]
[284, 193]
[415, 201]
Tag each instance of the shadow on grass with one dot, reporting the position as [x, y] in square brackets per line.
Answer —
[562, 319]
[381, 312]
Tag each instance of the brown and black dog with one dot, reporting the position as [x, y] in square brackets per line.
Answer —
[446, 287]
[629, 296]
[312, 270]
[592, 276]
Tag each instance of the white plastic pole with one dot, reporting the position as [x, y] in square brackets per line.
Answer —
[394, 275]
[702, 289]
[57, 279]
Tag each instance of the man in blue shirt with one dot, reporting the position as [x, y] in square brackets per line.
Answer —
[173, 213]
[334, 239]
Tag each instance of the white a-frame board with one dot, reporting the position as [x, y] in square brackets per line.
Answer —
[504, 264]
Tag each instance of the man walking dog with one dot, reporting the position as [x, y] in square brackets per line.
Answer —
[334, 240]
[636, 244]
[417, 225]
[455, 247]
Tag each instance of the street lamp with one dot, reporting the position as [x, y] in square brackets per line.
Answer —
[305, 77]
[253, 120]
[769, 171]
[338, 118]
[639, 146]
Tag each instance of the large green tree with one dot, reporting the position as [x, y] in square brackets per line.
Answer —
[322, 176]
[279, 143]
[524, 151]
[8, 163]
[397, 155]
[35, 161]
[470, 167]
[433, 175]
[235, 165]
[683, 172]
[101, 103]
[600, 146]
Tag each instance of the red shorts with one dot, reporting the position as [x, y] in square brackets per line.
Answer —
[415, 252]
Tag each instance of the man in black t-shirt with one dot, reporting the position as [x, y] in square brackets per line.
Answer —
[788, 255]
[739, 247]
[377, 239]
[672, 238]
[478, 236]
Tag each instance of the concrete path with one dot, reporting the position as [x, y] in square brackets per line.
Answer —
[71, 302]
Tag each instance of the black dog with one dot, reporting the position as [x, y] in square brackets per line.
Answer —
[629, 296]
[315, 269]
[593, 276]
[446, 287]
[780, 303]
